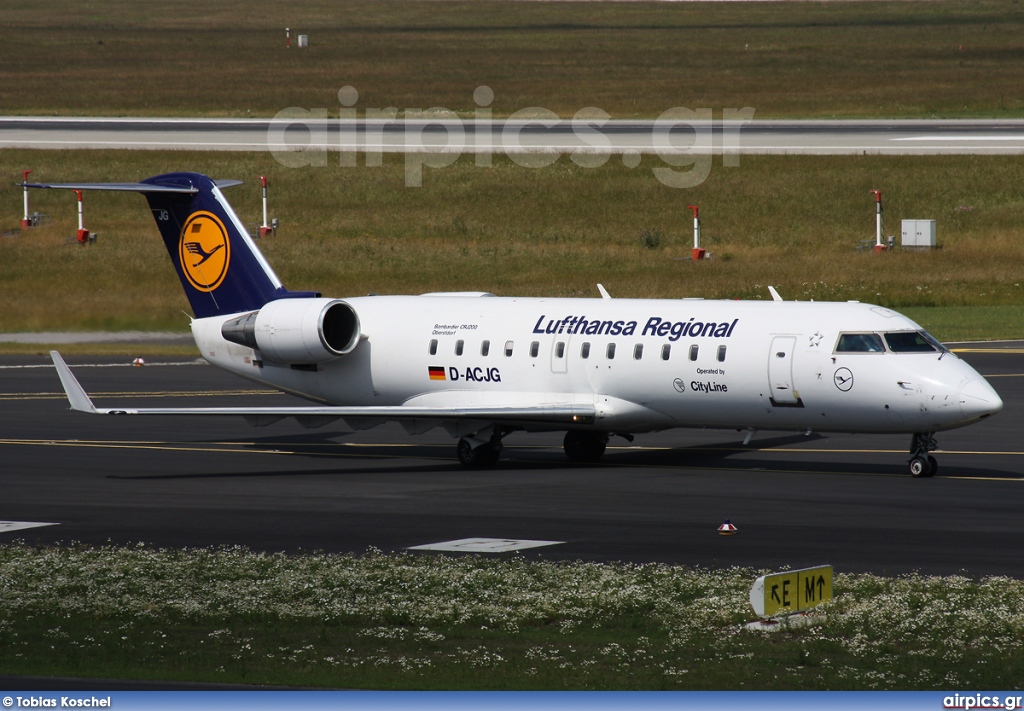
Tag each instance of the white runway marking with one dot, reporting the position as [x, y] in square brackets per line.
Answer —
[8, 526]
[960, 138]
[484, 545]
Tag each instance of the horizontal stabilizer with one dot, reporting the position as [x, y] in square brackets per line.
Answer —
[122, 187]
[129, 187]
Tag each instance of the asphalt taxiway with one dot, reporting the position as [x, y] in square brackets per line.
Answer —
[797, 500]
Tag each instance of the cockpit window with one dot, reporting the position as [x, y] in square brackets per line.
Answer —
[912, 342]
[860, 343]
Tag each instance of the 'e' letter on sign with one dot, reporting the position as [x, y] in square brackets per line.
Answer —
[792, 591]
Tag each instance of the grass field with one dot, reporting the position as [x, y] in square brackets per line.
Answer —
[802, 59]
[436, 622]
[791, 222]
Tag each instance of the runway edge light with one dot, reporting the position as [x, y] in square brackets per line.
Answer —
[727, 529]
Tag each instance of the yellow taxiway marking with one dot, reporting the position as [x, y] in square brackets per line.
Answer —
[987, 350]
[289, 448]
[274, 449]
[214, 447]
[809, 450]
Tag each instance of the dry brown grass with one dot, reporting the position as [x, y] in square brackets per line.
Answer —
[631, 59]
[792, 222]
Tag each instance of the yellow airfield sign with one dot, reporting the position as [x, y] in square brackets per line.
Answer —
[792, 591]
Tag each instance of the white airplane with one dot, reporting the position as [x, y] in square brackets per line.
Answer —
[483, 367]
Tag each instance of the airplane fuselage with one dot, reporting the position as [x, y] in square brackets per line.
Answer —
[645, 365]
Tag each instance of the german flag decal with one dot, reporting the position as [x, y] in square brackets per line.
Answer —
[436, 372]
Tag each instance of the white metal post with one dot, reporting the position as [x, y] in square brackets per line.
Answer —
[697, 253]
[263, 181]
[25, 222]
[878, 220]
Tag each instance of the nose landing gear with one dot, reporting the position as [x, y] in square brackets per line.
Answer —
[921, 463]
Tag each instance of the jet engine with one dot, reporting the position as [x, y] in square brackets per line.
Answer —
[297, 330]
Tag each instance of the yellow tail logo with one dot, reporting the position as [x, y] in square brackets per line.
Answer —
[204, 251]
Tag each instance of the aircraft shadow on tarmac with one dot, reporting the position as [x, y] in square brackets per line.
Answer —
[435, 458]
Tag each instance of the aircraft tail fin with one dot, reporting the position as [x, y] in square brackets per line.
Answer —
[220, 267]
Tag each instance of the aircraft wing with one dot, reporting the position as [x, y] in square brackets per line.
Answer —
[546, 414]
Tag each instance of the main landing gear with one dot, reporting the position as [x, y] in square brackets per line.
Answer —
[921, 463]
[479, 451]
[584, 445]
[482, 449]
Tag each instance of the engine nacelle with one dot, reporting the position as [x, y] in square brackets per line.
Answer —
[297, 330]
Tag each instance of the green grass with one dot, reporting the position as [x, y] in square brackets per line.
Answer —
[793, 222]
[850, 59]
[380, 621]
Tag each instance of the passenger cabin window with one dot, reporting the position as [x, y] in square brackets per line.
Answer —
[860, 343]
[485, 348]
[458, 347]
[534, 349]
[721, 354]
[585, 351]
[911, 342]
[666, 351]
[693, 352]
[433, 346]
[508, 349]
[638, 351]
[559, 350]
[610, 352]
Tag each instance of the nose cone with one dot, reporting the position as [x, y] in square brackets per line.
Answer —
[978, 399]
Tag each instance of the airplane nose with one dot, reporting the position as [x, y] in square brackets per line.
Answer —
[978, 399]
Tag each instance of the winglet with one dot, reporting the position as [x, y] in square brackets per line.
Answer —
[604, 292]
[775, 294]
[77, 396]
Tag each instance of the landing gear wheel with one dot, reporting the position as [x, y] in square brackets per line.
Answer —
[485, 455]
[919, 467]
[583, 446]
[922, 464]
[923, 467]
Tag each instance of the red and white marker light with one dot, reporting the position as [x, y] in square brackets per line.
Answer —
[727, 529]
[25, 221]
[698, 251]
[265, 228]
[879, 246]
[83, 234]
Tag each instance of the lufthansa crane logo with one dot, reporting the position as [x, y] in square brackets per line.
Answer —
[204, 251]
[843, 379]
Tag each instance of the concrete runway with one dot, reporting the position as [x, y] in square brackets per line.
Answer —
[797, 500]
[887, 137]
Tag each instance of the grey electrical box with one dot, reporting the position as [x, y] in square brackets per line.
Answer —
[918, 233]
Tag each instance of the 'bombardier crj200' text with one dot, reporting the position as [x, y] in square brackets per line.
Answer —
[483, 367]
